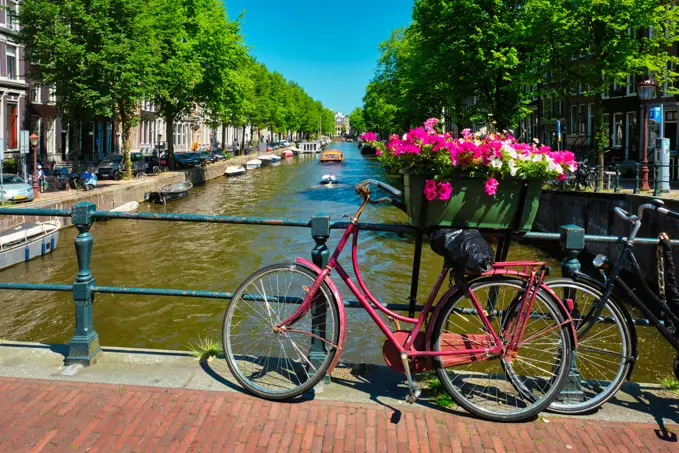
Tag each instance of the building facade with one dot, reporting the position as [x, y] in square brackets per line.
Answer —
[342, 125]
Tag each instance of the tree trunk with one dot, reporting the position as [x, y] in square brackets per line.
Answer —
[75, 150]
[242, 144]
[169, 132]
[127, 163]
[223, 137]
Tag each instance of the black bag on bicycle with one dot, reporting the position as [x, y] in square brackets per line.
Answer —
[466, 251]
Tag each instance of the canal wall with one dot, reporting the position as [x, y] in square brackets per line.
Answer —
[105, 198]
[594, 212]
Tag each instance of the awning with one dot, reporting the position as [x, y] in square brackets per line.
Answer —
[44, 110]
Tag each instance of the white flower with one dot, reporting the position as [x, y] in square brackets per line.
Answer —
[553, 167]
[537, 158]
[496, 163]
[512, 167]
[537, 142]
[524, 156]
[508, 150]
[571, 168]
[405, 137]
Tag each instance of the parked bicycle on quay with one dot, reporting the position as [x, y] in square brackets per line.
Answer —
[500, 341]
[607, 341]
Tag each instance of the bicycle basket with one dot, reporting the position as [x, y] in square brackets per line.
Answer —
[464, 250]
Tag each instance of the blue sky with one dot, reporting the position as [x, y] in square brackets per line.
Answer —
[328, 47]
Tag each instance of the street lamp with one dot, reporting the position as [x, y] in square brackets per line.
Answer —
[34, 141]
[646, 90]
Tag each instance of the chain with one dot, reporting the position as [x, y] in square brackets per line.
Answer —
[661, 270]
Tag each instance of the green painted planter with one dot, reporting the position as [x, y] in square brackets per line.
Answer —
[469, 205]
[368, 150]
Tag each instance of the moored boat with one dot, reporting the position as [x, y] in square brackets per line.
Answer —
[234, 170]
[132, 206]
[288, 153]
[171, 192]
[27, 241]
[332, 155]
[253, 163]
[329, 179]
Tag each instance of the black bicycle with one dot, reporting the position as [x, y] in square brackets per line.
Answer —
[607, 341]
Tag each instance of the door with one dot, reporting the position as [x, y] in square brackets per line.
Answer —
[631, 135]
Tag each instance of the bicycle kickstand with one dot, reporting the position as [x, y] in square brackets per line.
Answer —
[414, 391]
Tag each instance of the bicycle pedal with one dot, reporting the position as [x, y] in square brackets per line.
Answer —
[412, 396]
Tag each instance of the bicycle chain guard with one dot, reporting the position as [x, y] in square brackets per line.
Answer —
[449, 342]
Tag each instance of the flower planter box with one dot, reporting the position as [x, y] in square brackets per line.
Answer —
[470, 207]
[368, 150]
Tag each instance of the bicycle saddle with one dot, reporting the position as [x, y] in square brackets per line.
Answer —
[466, 251]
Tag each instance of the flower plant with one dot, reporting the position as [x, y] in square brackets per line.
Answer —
[496, 155]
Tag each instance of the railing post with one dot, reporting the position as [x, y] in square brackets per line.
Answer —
[573, 242]
[320, 231]
[84, 347]
[656, 186]
[597, 177]
[637, 190]
[617, 178]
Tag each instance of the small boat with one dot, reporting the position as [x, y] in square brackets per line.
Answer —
[252, 164]
[132, 206]
[275, 158]
[332, 155]
[295, 150]
[349, 140]
[234, 170]
[171, 192]
[27, 241]
[287, 153]
[266, 160]
[329, 179]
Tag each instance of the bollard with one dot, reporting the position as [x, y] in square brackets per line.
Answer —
[84, 347]
[637, 190]
[656, 186]
[572, 242]
[617, 178]
[597, 178]
[320, 231]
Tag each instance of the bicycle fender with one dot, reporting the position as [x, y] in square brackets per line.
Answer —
[579, 276]
[340, 309]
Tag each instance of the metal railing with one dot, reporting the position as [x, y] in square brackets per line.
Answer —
[84, 346]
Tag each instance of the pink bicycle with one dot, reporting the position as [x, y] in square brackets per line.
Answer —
[501, 343]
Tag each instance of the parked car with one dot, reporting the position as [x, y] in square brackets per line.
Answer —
[184, 160]
[204, 156]
[110, 168]
[15, 189]
[218, 155]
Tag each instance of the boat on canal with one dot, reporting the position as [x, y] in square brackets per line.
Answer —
[270, 159]
[234, 170]
[27, 241]
[130, 207]
[253, 164]
[329, 179]
[332, 156]
[171, 192]
[288, 153]
[310, 147]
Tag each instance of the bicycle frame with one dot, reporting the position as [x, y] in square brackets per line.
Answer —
[367, 300]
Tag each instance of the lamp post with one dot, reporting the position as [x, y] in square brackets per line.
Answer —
[646, 90]
[34, 142]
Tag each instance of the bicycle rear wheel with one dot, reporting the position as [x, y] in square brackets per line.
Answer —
[604, 355]
[506, 387]
[279, 365]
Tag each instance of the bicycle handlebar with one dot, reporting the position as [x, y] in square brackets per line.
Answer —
[384, 186]
[625, 215]
[657, 205]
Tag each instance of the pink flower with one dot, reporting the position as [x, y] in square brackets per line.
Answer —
[430, 189]
[369, 137]
[561, 177]
[378, 152]
[491, 186]
[429, 125]
[445, 191]
[393, 137]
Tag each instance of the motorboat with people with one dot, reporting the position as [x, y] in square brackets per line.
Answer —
[329, 179]
[234, 170]
[171, 192]
[332, 156]
[253, 164]
[27, 241]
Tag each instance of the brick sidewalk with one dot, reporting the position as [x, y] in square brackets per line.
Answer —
[64, 417]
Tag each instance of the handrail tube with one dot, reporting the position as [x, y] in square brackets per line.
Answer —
[36, 287]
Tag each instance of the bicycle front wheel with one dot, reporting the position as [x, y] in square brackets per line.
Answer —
[279, 364]
[604, 355]
[511, 386]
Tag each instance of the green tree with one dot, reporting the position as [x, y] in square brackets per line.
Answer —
[357, 121]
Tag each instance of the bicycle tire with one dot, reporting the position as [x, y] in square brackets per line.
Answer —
[501, 373]
[590, 180]
[247, 369]
[592, 371]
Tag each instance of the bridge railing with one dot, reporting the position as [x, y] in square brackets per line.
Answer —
[84, 347]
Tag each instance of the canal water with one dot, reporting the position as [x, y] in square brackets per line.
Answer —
[219, 257]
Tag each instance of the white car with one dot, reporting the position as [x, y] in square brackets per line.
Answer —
[15, 189]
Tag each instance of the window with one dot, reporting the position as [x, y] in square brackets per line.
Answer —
[11, 11]
[617, 137]
[35, 94]
[667, 86]
[581, 120]
[631, 85]
[52, 99]
[11, 127]
[574, 118]
[11, 62]
[51, 144]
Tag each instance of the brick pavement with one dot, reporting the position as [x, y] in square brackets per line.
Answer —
[65, 416]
